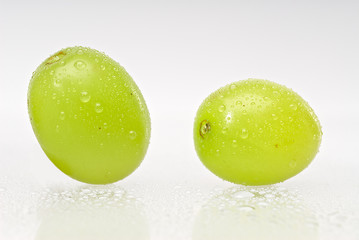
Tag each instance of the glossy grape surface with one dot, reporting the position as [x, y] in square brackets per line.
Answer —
[88, 115]
[256, 132]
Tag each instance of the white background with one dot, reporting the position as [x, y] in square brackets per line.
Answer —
[178, 53]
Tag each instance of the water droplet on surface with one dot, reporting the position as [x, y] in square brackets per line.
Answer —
[275, 117]
[244, 133]
[57, 128]
[85, 97]
[246, 208]
[80, 65]
[234, 143]
[98, 108]
[243, 194]
[233, 87]
[102, 67]
[62, 115]
[80, 52]
[133, 135]
[238, 103]
[222, 108]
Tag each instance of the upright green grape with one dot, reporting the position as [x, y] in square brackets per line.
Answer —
[256, 132]
[88, 115]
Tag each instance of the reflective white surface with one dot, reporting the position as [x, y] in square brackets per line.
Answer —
[179, 52]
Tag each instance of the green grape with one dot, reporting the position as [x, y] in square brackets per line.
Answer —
[256, 132]
[88, 115]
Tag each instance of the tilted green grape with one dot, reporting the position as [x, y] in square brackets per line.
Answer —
[88, 115]
[256, 132]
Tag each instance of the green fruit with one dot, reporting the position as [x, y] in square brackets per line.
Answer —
[88, 115]
[256, 132]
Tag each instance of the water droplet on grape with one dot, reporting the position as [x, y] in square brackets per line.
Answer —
[133, 135]
[80, 65]
[222, 108]
[239, 103]
[85, 97]
[62, 116]
[275, 117]
[244, 133]
[80, 52]
[233, 87]
[234, 143]
[102, 67]
[57, 82]
[292, 164]
[293, 106]
[57, 128]
[98, 108]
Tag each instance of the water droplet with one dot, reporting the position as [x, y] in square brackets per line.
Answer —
[224, 130]
[234, 143]
[243, 194]
[133, 135]
[57, 128]
[57, 82]
[292, 164]
[253, 103]
[293, 106]
[222, 108]
[85, 97]
[52, 72]
[102, 67]
[98, 108]
[217, 152]
[80, 52]
[62, 115]
[238, 103]
[246, 208]
[233, 87]
[80, 65]
[54, 96]
[275, 117]
[244, 133]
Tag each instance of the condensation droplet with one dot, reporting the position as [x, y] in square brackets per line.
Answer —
[243, 194]
[57, 128]
[222, 108]
[133, 135]
[238, 103]
[246, 208]
[293, 164]
[233, 87]
[275, 117]
[85, 97]
[293, 106]
[234, 143]
[80, 65]
[80, 52]
[244, 133]
[98, 108]
[102, 67]
[62, 115]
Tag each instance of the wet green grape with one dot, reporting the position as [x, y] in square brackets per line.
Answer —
[88, 115]
[256, 132]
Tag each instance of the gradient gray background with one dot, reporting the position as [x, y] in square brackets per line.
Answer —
[178, 52]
